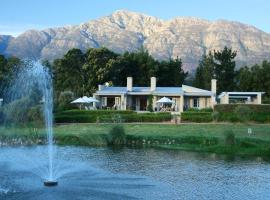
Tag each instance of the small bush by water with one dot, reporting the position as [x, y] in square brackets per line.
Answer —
[229, 137]
[117, 135]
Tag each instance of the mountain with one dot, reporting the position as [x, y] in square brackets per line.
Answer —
[185, 37]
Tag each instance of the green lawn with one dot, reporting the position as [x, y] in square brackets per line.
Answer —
[192, 137]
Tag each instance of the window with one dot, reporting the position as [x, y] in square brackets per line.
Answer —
[196, 103]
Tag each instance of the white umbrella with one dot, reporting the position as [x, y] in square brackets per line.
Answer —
[90, 99]
[79, 100]
[164, 100]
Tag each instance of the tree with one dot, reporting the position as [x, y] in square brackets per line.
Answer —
[68, 72]
[205, 72]
[170, 73]
[219, 65]
[140, 65]
[97, 68]
[225, 69]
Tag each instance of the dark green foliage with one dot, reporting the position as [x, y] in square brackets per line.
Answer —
[170, 73]
[215, 115]
[140, 65]
[35, 114]
[219, 65]
[205, 72]
[225, 69]
[243, 113]
[117, 135]
[196, 116]
[64, 99]
[230, 108]
[109, 116]
[229, 137]
[150, 103]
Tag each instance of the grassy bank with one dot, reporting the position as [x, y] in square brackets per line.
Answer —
[190, 137]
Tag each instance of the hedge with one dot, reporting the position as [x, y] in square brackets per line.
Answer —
[105, 116]
[230, 108]
[197, 116]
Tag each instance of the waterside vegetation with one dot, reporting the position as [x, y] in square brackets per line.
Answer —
[236, 139]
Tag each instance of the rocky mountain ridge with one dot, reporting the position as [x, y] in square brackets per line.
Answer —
[185, 37]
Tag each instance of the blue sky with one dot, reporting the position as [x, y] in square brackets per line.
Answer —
[17, 16]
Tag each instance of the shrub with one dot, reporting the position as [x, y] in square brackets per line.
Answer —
[243, 113]
[150, 103]
[64, 100]
[117, 135]
[229, 137]
[84, 116]
[196, 116]
[256, 108]
[206, 110]
[35, 114]
[215, 115]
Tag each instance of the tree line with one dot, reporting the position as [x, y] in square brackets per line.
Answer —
[80, 72]
[221, 65]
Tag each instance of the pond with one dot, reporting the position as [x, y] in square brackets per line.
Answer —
[104, 173]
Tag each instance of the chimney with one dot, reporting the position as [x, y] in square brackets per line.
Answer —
[101, 87]
[214, 86]
[129, 83]
[153, 83]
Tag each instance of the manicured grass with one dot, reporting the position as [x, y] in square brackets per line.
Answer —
[191, 137]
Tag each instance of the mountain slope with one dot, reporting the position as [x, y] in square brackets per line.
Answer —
[185, 37]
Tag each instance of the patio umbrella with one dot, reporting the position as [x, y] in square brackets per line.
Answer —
[165, 100]
[80, 101]
[90, 99]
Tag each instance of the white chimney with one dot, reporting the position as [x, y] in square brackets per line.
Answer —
[129, 83]
[101, 87]
[153, 83]
[214, 86]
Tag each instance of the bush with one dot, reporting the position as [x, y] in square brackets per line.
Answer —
[150, 103]
[243, 113]
[229, 137]
[64, 99]
[196, 116]
[109, 116]
[35, 114]
[229, 108]
[215, 115]
[117, 135]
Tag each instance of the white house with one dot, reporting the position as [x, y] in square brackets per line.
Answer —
[241, 97]
[138, 98]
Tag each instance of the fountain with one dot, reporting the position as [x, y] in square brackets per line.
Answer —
[33, 78]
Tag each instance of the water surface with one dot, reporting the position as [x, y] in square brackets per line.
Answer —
[103, 173]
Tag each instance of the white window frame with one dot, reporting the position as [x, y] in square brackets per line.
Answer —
[196, 102]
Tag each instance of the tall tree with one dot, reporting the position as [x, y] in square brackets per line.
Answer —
[170, 73]
[140, 65]
[97, 67]
[68, 72]
[205, 72]
[225, 69]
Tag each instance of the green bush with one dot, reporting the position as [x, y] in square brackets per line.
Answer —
[64, 99]
[150, 103]
[229, 137]
[229, 108]
[117, 135]
[243, 113]
[35, 114]
[104, 116]
[215, 115]
[197, 116]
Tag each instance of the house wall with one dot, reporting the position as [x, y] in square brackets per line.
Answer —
[204, 102]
